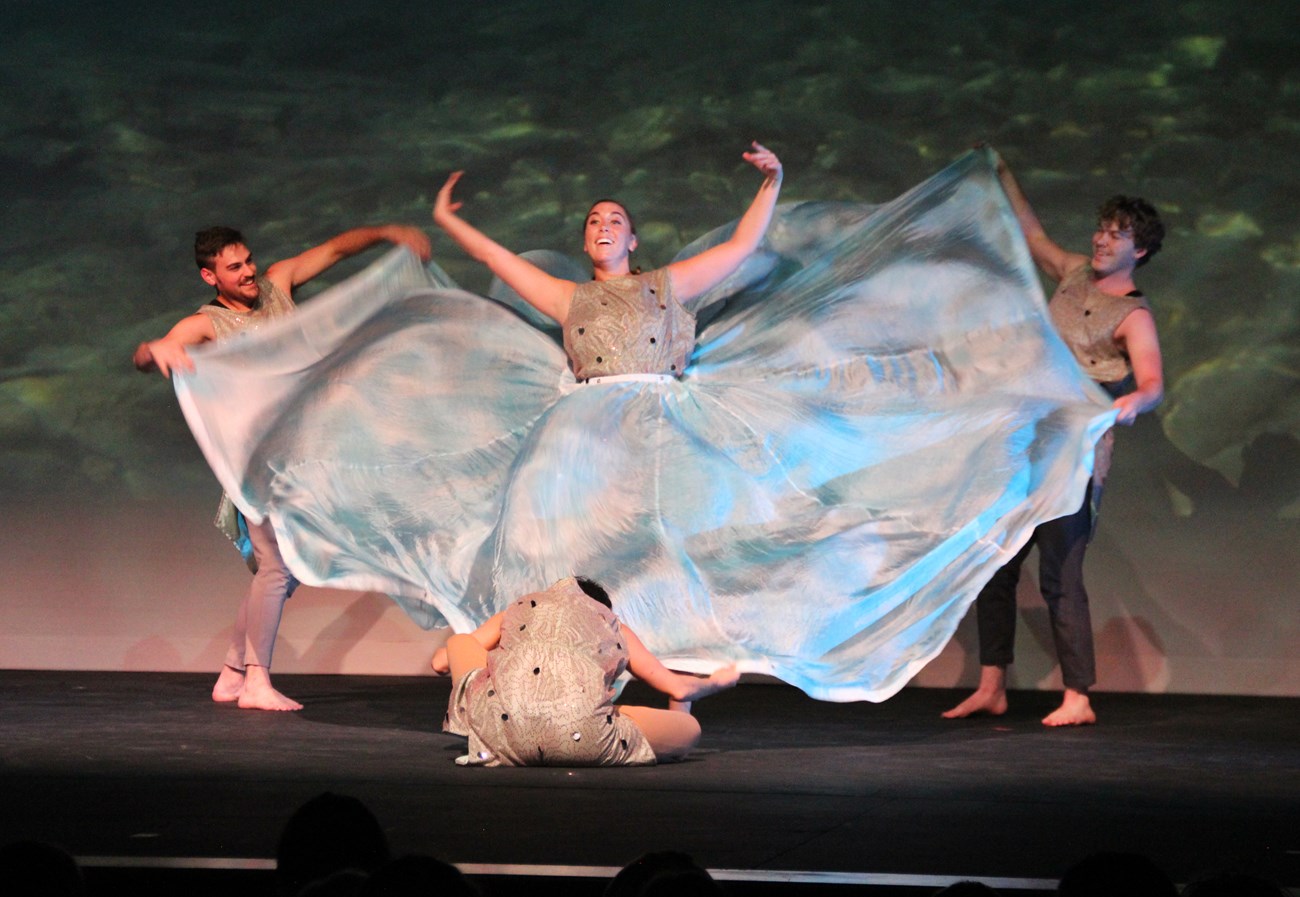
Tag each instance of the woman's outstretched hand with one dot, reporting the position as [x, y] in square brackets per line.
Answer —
[443, 206]
[764, 160]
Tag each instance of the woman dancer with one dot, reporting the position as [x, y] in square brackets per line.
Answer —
[534, 686]
[622, 325]
[602, 340]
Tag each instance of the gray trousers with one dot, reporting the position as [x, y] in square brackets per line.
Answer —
[258, 619]
[1061, 546]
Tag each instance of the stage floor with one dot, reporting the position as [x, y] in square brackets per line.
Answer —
[143, 766]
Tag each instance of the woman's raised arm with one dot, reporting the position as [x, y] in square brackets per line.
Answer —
[549, 295]
[695, 275]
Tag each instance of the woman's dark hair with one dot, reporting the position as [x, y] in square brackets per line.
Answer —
[630, 223]
[1136, 214]
[595, 591]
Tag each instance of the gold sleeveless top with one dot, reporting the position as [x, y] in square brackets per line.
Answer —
[628, 325]
[1086, 318]
[272, 303]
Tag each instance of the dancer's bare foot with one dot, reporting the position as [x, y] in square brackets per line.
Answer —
[990, 696]
[230, 685]
[679, 706]
[259, 694]
[1075, 710]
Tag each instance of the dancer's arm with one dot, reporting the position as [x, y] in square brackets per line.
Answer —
[170, 352]
[646, 667]
[488, 635]
[549, 295]
[695, 275]
[1050, 257]
[294, 272]
[1136, 334]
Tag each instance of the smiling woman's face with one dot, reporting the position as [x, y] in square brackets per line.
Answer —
[608, 235]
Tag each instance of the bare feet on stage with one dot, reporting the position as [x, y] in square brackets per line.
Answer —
[990, 696]
[230, 684]
[259, 694]
[1075, 710]
[252, 690]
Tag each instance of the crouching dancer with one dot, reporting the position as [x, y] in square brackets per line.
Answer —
[534, 686]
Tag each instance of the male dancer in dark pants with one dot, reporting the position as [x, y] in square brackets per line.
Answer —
[1108, 325]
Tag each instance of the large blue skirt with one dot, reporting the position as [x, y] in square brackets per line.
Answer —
[877, 414]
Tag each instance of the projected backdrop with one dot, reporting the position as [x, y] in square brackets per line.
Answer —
[124, 132]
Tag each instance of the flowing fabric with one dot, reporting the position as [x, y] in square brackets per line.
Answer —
[876, 415]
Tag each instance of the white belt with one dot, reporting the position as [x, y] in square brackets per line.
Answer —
[628, 378]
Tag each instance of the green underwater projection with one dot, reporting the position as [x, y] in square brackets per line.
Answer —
[123, 131]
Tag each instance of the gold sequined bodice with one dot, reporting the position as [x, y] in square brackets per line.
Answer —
[1086, 319]
[628, 325]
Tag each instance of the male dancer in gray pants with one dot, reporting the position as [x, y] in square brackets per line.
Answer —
[245, 301]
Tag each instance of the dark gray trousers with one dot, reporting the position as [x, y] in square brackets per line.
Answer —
[1061, 546]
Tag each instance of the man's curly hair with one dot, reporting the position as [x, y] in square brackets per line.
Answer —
[1135, 214]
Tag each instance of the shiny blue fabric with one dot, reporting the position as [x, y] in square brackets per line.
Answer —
[876, 415]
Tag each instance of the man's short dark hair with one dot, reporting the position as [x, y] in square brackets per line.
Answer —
[209, 242]
[1136, 214]
[595, 591]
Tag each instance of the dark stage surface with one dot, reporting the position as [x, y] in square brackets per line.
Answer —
[115, 765]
